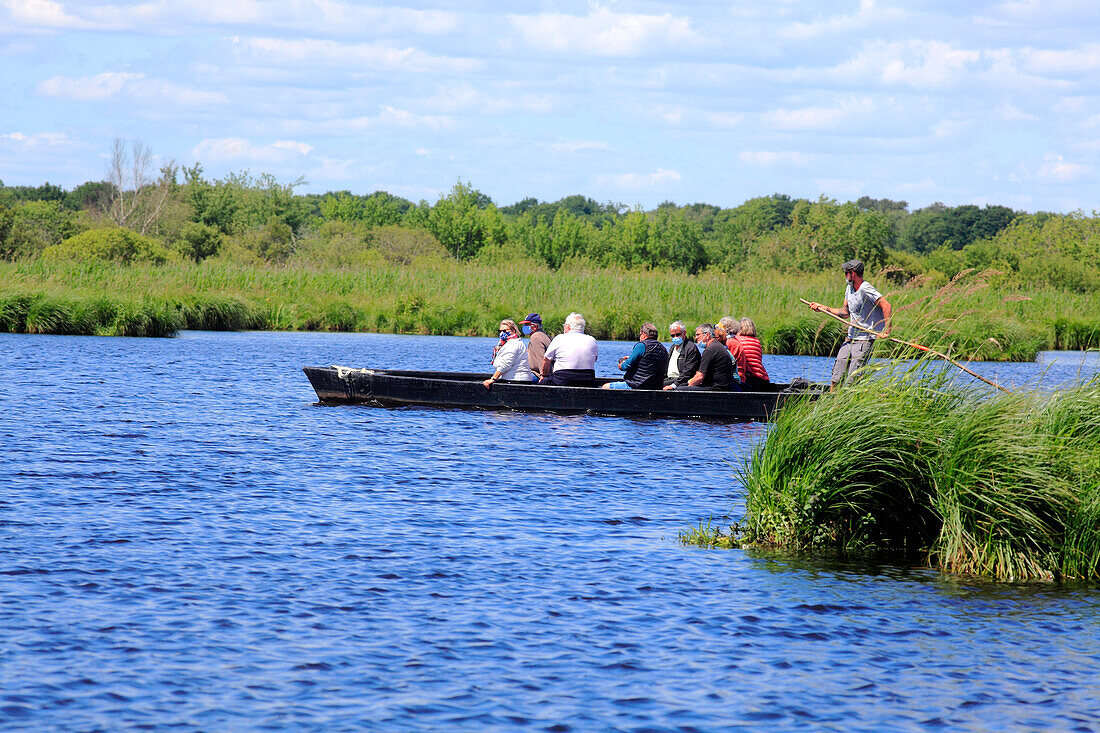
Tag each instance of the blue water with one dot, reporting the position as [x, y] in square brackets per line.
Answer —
[189, 542]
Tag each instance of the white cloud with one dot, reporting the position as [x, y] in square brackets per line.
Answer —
[1081, 60]
[178, 17]
[604, 32]
[822, 118]
[86, 88]
[1055, 169]
[766, 159]
[238, 150]
[927, 64]
[301, 148]
[1012, 113]
[658, 178]
[578, 146]
[869, 13]
[136, 88]
[311, 53]
[38, 139]
[41, 14]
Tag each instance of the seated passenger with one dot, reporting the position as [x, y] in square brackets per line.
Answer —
[726, 331]
[646, 365]
[716, 368]
[683, 356]
[537, 342]
[509, 356]
[570, 359]
[750, 360]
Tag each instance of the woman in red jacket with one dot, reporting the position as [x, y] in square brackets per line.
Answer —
[750, 359]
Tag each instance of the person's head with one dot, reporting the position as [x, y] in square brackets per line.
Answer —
[575, 322]
[677, 328]
[532, 323]
[509, 326]
[726, 327]
[648, 331]
[853, 271]
[748, 328]
[704, 333]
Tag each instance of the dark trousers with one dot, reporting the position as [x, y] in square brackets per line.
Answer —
[572, 378]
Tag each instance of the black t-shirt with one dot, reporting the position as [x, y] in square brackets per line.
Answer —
[716, 366]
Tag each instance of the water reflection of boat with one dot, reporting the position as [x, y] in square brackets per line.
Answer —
[450, 389]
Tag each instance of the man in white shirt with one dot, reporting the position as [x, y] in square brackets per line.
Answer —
[570, 359]
[865, 308]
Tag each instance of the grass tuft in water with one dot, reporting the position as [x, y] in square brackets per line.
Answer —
[999, 485]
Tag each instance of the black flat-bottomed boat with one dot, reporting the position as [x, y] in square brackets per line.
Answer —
[342, 385]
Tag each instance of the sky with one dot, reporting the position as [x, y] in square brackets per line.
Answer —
[630, 102]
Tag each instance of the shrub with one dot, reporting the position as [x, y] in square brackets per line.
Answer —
[112, 245]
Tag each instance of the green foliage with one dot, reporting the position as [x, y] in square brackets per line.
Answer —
[30, 227]
[806, 336]
[112, 245]
[13, 312]
[953, 227]
[39, 313]
[464, 221]
[12, 195]
[198, 241]
[147, 318]
[1004, 485]
[59, 316]
[217, 313]
[93, 195]
[377, 210]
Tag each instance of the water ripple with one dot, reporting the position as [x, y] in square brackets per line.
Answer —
[187, 541]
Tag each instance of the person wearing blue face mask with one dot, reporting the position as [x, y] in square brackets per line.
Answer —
[509, 356]
[683, 357]
[537, 343]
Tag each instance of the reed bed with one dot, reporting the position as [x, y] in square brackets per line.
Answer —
[1005, 486]
[969, 317]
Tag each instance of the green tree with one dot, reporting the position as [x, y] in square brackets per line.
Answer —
[465, 220]
[199, 241]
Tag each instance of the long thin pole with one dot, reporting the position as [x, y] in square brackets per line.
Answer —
[911, 345]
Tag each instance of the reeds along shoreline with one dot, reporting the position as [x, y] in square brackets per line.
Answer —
[1005, 486]
[969, 318]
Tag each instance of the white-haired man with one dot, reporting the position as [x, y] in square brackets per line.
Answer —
[570, 359]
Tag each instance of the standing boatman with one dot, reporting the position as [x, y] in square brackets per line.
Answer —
[865, 308]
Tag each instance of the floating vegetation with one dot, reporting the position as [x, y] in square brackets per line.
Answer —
[998, 485]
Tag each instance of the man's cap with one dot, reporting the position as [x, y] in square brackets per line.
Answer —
[532, 318]
[855, 266]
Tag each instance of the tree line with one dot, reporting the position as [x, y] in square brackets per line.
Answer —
[139, 213]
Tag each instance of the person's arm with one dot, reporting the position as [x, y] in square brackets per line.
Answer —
[704, 364]
[692, 359]
[842, 311]
[887, 315]
[636, 353]
[506, 357]
[547, 366]
[496, 377]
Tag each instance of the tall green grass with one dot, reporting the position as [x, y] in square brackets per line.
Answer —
[999, 485]
[970, 317]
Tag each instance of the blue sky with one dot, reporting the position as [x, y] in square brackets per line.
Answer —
[630, 102]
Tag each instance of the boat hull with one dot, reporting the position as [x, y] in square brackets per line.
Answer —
[449, 389]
